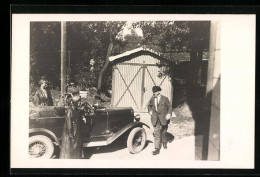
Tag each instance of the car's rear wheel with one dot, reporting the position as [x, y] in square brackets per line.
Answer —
[40, 146]
[136, 140]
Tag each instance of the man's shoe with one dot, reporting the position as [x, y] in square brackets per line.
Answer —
[165, 145]
[156, 151]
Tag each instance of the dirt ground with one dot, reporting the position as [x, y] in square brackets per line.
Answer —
[180, 135]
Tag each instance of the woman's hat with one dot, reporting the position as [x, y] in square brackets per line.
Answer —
[156, 89]
[42, 81]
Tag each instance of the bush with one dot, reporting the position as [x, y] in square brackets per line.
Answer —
[32, 91]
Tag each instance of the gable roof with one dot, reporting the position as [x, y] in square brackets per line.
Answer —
[143, 48]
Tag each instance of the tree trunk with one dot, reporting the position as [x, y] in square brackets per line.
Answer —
[109, 50]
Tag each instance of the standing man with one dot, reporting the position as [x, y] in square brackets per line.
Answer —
[160, 109]
[71, 146]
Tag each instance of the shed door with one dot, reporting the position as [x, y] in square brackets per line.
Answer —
[133, 85]
[127, 86]
[152, 79]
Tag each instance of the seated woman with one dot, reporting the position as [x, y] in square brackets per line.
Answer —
[43, 95]
[71, 147]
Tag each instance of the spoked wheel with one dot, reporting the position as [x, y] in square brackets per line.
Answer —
[40, 146]
[136, 140]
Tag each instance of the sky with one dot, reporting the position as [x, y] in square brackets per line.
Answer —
[126, 30]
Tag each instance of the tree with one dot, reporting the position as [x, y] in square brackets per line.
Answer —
[91, 43]
[97, 40]
[44, 52]
[178, 36]
[113, 28]
[132, 41]
[163, 35]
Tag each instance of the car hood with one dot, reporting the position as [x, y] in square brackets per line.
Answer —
[120, 110]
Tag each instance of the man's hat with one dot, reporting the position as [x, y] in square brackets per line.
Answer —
[73, 90]
[156, 89]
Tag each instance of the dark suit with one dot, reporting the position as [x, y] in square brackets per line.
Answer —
[158, 119]
[71, 148]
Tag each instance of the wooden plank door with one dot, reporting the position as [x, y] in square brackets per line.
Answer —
[151, 79]
[127, 86]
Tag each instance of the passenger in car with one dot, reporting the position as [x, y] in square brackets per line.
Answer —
[43, 95]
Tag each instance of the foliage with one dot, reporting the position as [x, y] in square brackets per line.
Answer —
[32, 91]
[44, 52]
[178, 36]
[86, 41]
[163, 35]
[132, 41]
[87, 45]
[93, 38]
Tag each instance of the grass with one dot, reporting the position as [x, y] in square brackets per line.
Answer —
[181, 127]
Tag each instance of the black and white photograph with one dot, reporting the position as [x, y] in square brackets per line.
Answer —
[124, 90]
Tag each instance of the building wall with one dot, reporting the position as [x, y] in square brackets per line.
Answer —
[214, 130]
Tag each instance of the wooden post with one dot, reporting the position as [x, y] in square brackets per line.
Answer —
[63, 56]
[213, 92]
[68, 65]
[209, 89]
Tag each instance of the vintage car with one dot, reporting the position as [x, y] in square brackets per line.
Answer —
[101, 127]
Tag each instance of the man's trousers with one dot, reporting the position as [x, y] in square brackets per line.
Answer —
[160, 134]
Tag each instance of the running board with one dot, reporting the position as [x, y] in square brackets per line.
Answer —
[93, 144]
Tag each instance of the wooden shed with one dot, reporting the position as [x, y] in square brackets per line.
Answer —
[134, 74]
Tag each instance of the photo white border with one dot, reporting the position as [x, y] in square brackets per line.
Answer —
[237, 92]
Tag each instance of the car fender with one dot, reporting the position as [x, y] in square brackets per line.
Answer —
[124, 129]
[45, 131]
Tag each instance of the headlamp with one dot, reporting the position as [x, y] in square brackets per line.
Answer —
[137, 117]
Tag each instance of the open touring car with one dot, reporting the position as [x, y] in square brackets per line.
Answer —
[102, 126]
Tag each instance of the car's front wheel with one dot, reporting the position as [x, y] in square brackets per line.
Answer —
[136, 140]
[40, 146]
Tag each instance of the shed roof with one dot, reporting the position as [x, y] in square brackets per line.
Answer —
[143, 48]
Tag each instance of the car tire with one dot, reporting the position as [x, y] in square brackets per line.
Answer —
[40, 146]
[136, 140]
